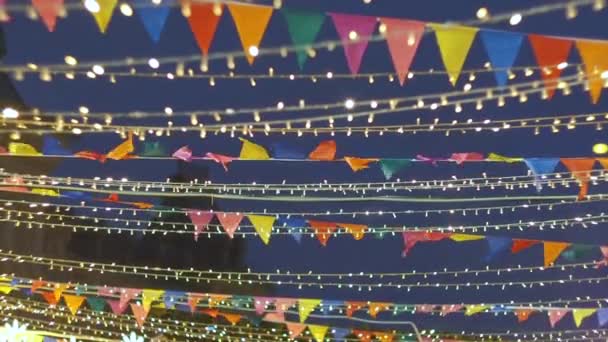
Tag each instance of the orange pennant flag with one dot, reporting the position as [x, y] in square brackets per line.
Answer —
[593, 54]
[358, 164]
[295, 329]
[581, 170]
[36, 284]
[604, 162]
[122, 151]
[215, 299]
[251, 22]
[326, 150]
[323, 230]
[352, 307]
[374, 308]
[73, 302]
[523, 314]
[203, 22]
[50, 298]
[232, 318]
[211, 312]
[357, 230]
[193, 300]
[553, 250]
[384, 336]
[140, 314]
[364, 336]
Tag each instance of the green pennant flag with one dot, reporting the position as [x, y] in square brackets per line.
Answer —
[153, 149]
[96, 303]
[391, 166]
[303, 27]
[577, 252]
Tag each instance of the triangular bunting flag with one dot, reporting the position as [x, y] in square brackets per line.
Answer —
[358, 164]
[603, 162]
[193, 299]
[275, 317]
[59, 288]
[323, 230]
[52, 146]
[287, 150]
[410, 239]
[303, 27]
[149, 296]
[73, 302]
[216, 299]
[460, 158]
[183, 153]
[153, 149]
[549, 53]
[553, 250]
[306, 306]
[295, 329]
[263, 226]
[580, 314]
[283, 304]
[475, 309]
[540, 167]
[230, 222]
[50, 298]
[523, 314]
[403, 38]
[602, 317]
[232, 318]
[6, 289]
[500, 158]
[502, 48]
[325, 151]
[318, 331]
[140, 314]
[521, 244]
[96, 303]
[260, 304]
[497, 245]
[556, 316]
[593, 54]
[578, 252]
[103, 16]
[253, 151]
[581, 170]
[450, 308]
[294, 224]
[171, 297]
[122, 151]
[126, 294]
[22, 149]
[454, 43]
[154, 18]
[364, 336]
[383, 336]
[251, 22]
[357, 230]
[466, 237]
[116, 307]
[200, 220]
[203, 23]
[221, 159]
[36, 284]
[374, 308]
[354, 32]
[48, 11]
[352, 307]
[391, 166]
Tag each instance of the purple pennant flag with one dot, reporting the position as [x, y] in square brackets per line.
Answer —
[354, 31]
[602, 317]
[184, 153]
[200, 220]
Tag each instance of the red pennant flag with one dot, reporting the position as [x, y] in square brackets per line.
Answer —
[325, 151]
[323, 230]
[193, 299]
[521, 244]
[48, 10]
[232, 318]
[295, 329]
[352, 307]
[358, 164]
[425, 308]
[116, 307]
[200, 220]
[553, 250]
[230, 222]
[213, 313]
[221, 159]
[50, 298]
[410, 239]
[140, 314]
[403, 38]
[357, 230]
[450, 308]
[354, 32]
[203, 22]
[364, 336]
[523, 314]
[581, 170]
[91, 156]
[593, 54]
[556, 316]
[36, 284]
[460, 158]
[549, 53]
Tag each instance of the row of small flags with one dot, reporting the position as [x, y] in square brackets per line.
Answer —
[403, 37]
[271, 309]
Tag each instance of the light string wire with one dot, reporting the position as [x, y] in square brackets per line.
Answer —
[177, 274]
[330, 44]
[160, 210]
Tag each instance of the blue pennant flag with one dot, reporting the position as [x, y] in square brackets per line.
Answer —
[52, 146]
[294, 224]
[497, 245]
[154, 18]
[334, 304]
[171, 297]
[77, 195]
[502, 48]
[340, 333]
[602, 317]
[540, 167]
[254, 319]
[287, 151]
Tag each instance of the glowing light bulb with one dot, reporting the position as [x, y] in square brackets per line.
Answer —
[153, 63]
[349, 104]
[98, 69]
[69, 60]
[10, 113]
[92, 6]
[600, 148]
[352, 35]
[253, 50]
[515, 19]
[482, 13]
[126, 9]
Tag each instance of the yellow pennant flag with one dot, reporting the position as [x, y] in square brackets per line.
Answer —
[23, 149]
[263, 225]
[45, 192]
[59, 288]
[250, 22]
[103, 16]
[306, 306]
[465, 237]
[149, 296]
[454, 44]
[253, 151]
[318, 331]
[121, 151]
[73, 302]
[580, 314]
[6, 289]
[475, 309]
[498, 158]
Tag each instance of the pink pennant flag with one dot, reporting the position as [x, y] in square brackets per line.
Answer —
[107, 291]
[116, 307]
[230, 222]
[221, 159]
[127, 294]
[450, 308]
[295, 329]
[140, 314]
[183, 153]
[412, 238]
[200, 220]
[460, 158]
[48, 10]
[403, 38]
[425, 308]
[556, 316]
[275, 317]
[260, 304]
[283, 304]
[354, 32]
[431, 160]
